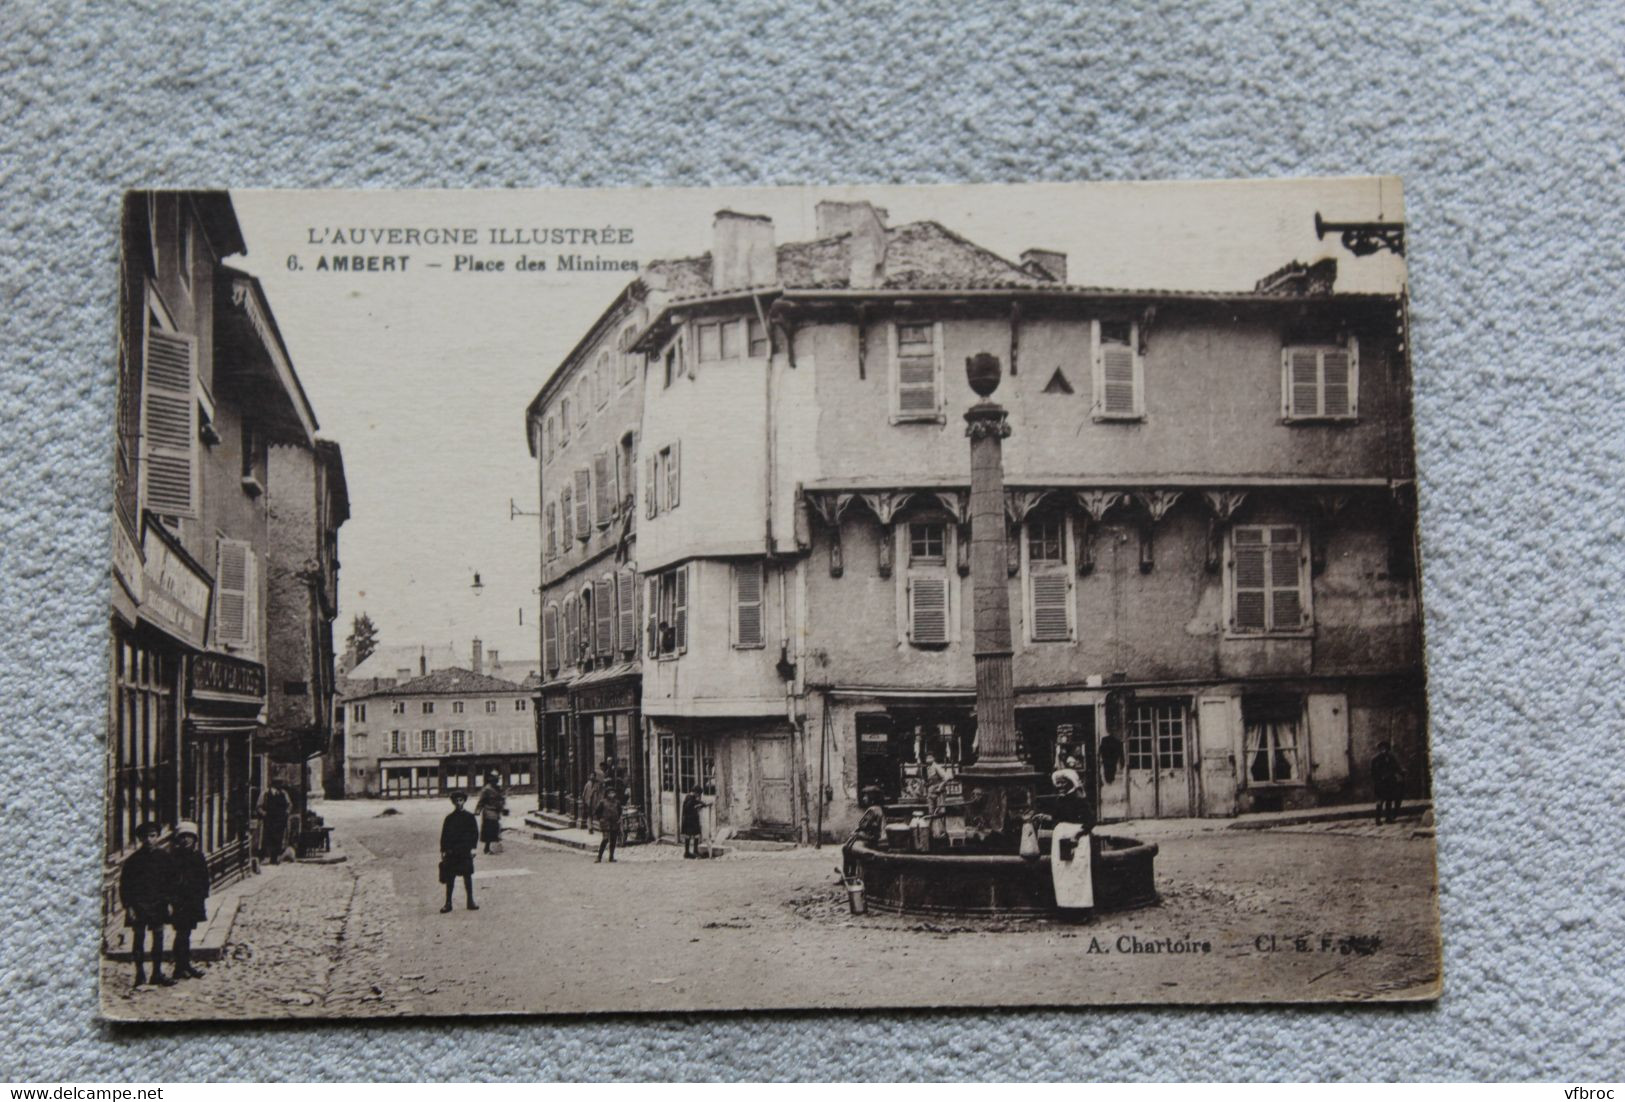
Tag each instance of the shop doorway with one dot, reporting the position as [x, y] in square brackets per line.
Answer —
[680, 771]
[1158, 762]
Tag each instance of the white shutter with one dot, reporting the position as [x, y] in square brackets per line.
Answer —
[674, 477]
[928, 609]
[1328, 715]
[651, 612]
[626, 629]
[680, 605]
[552, 530]
[550, 638]
[1117, 380]
[914, 349]
[651, 491]
[1249, 582]
[1303, 382]
[169, 430]
[233, 577]
[604, 606]
[583, 490]
[1336, 380]
[748, 604]
[1286, 600]
[1051, 591]
[566, 521]
[604, 503]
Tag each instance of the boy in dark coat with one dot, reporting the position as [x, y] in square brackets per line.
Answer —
[608, 813]
[188, 904]
[459, 834]
[144, 885]
[693, 805]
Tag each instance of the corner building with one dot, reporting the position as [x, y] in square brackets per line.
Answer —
[1209, 522]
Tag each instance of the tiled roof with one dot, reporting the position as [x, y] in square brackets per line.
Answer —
[449, 682]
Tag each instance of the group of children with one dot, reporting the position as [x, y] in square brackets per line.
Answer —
[165, 887]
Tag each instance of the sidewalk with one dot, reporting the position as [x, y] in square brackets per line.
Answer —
[1261, 820]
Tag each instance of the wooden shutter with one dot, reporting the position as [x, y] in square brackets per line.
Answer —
[1303, 382]
[1286, 600]
[604, 503]
[568, 657]
[928, 609]
[583, 503]
[651, 613]
[915, 349]
[1051, 590]
[604, 608]
[651, 490]
[679, 606]
[1336, 377]
[748, 604]
[1328, 715]
[170, 424]
[552, 530]
[566, 521]
[1117, 394]
[674, 477]
[626, 588]
[550, 638]
[1249, 581]
[233, 577]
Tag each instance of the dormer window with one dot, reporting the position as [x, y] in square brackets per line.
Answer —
[1119, 374]
[1320, 382]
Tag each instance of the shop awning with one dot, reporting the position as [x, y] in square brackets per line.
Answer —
[610, 673]
[223, 725]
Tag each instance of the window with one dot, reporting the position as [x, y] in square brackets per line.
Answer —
[583, 492]
[667, 610]
[566, 521]
[665, 481]
[550, 437]
[169, 422]
[1320, 382]
[926, 589]
[490, 707]
[459, 742]
[552, 530]
[253, 459]
[626, 629]
[564, 421]
[457, 707]
[584, 639]
[721, 340]
[235, 590]
[760, 346]
[398, 708]
[583, 400]
[397, 742]
[604, 502]
[184, 268]
[1049, 582]
[550, 638]
[916, 372]
[1119, 374]
[604, 644]
[1271, 734]
[569, 654]
[747, 617]
[358, 712]
[520, 705]
[1156, 735]
[669, 361]
[1269, 591]
[426, 742]
[629, 358]
[428, 707]
[602, 383]
[626, 461]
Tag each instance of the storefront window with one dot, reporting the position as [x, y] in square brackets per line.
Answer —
[1271, 729]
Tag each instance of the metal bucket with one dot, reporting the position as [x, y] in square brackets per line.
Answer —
[854, 896]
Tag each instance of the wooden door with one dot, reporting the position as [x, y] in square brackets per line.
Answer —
[1218, 729]
[1159, 760]
[773, 802]
[669, 800]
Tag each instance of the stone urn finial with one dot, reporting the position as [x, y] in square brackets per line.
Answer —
[983, 371]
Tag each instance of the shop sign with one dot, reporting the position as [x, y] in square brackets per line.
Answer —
[175, 595]
[556, 702]
[225, 676]
[126, 561]
[606, 698]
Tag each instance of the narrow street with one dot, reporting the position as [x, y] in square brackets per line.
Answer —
[1327, 911]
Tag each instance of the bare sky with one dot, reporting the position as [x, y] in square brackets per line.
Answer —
[423, 376]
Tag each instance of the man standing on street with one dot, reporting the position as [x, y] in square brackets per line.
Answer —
[459, 834]
[492, 806]
[1386, 776]
[608, 813]
[275, 809]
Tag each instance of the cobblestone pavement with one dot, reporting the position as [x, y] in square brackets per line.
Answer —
[1298, 913]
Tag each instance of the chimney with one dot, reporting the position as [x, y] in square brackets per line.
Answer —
[1298, 278]
[478, 664]
[403, 675]
[866, 225]
[1045, 264]
[423, 664]
[495, 664]
[742, 251]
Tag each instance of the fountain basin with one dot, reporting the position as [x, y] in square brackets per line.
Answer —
[997, 884]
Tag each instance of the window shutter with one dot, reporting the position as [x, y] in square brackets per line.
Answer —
[567, 521]
[1117, 379]
[1249, 580]
[568, 658]
[604, 503]
[651, 492]
[651, 613]
[583, 503]
[914, 348]
[626, 588]
[680, 605]
[232, 580]
[550, 637]
[1050, 599]
[928, 609]
[674, 478]
[552, 530]
[604, 607]
[748, 604]
[1335, 389]
[170, 428]
[1304, 381]
[1286, 604]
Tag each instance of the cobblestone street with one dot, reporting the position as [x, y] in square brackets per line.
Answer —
[1304, 912]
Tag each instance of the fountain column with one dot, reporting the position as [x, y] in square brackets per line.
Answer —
[1000, 787]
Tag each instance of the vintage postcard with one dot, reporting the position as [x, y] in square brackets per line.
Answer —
[561, 601]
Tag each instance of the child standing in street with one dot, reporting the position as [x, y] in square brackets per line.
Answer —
[693, 809]
[144, 886]
[189, 896]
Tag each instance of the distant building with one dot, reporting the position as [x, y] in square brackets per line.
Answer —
[428, 734]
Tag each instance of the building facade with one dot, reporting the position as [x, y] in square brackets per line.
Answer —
[440, 732]
[1210, 528]
[203, 625]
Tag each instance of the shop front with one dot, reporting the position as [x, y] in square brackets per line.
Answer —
[556, 788]
[746, 771]
[609, 738]
[225, 704]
